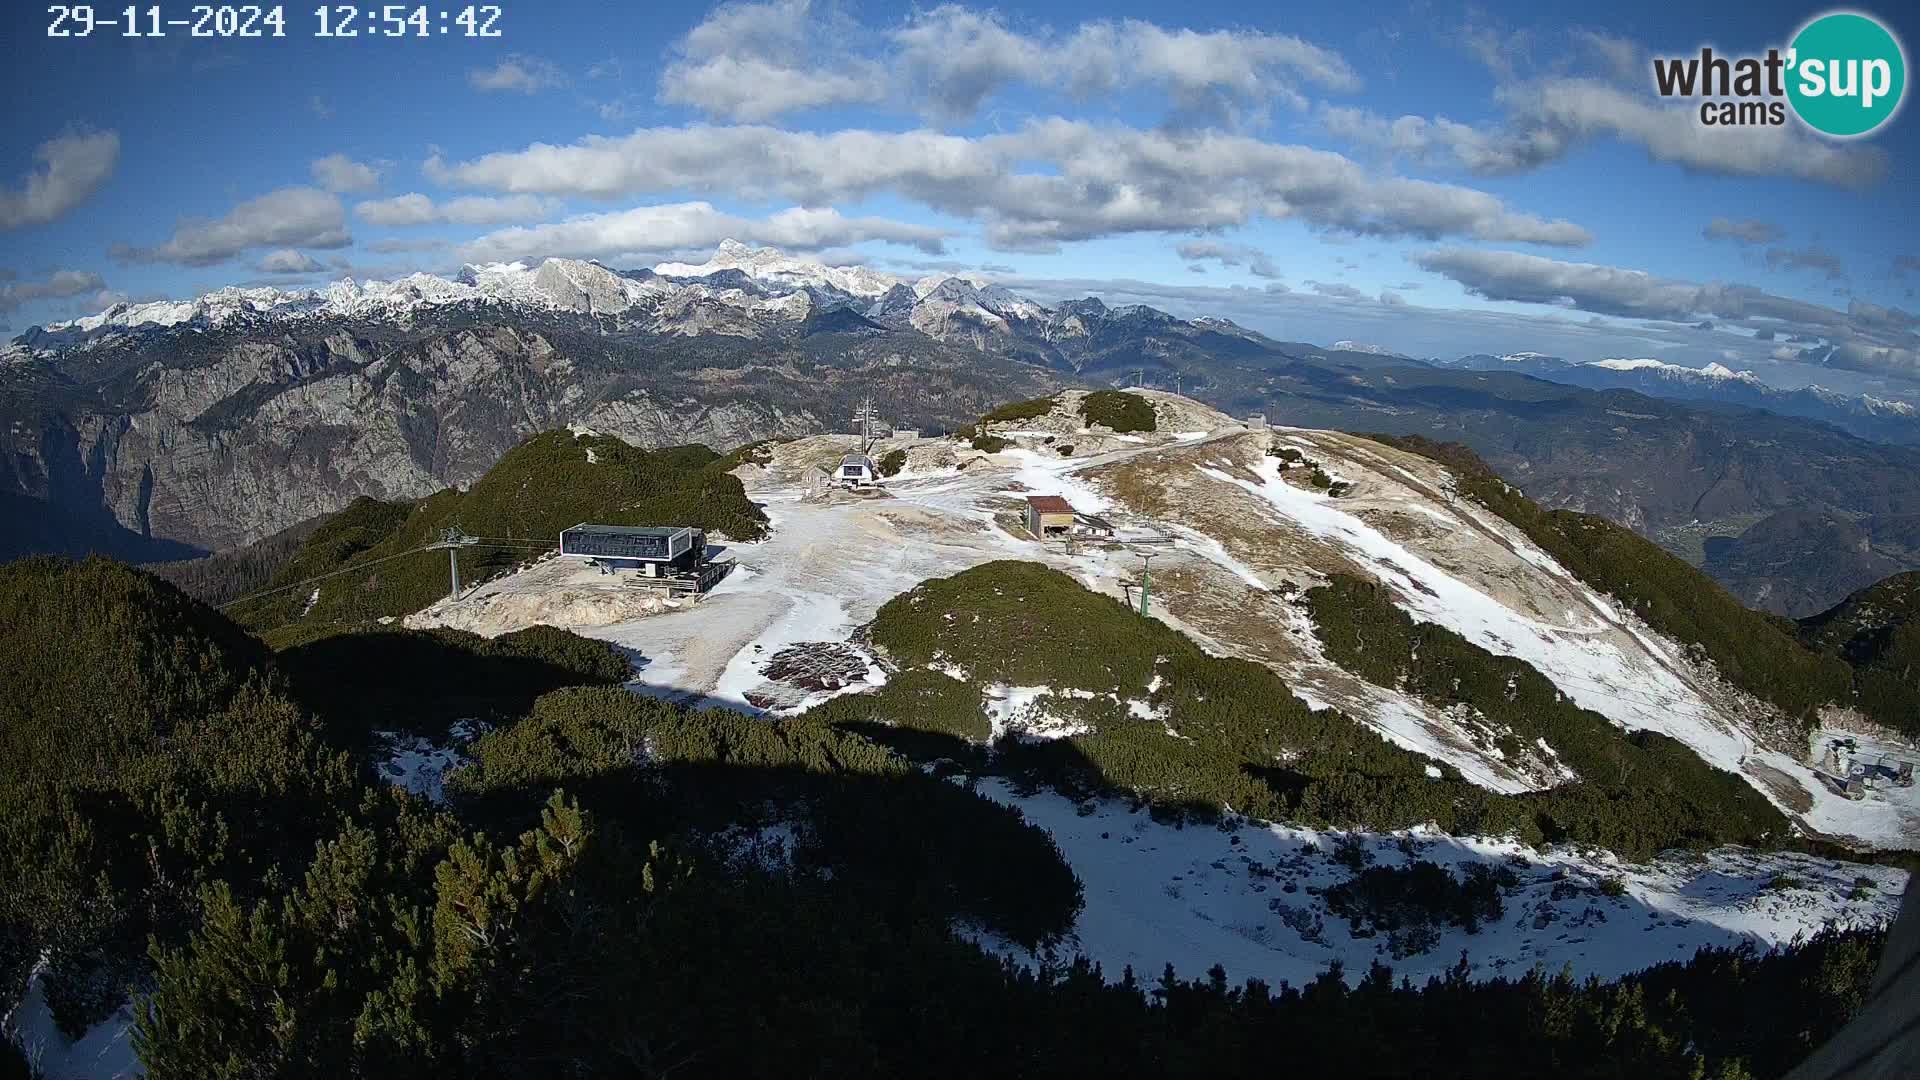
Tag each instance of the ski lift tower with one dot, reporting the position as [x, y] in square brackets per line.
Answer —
[1146, 568]
[867, 418]
[453, 540]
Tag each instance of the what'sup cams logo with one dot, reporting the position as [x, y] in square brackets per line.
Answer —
[1843, 75]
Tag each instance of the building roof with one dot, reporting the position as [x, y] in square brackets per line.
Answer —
[1049, 504]
[630, 530]
[857, 459]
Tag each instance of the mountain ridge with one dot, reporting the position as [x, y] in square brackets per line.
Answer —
[154, 431]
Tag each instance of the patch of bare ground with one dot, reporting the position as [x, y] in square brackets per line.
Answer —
[1226, 608]
[1013, 524]
[916, 521]
[1167, 485]
[1785, 789]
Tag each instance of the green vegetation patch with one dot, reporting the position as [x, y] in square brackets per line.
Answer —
[1754, 651]
[991, 444]
[753, 453]
[422, 680]
[103, 665]
[1119, 410]
[891, 462]
[147, 748]
[1242, 742]
[1246, 744]
[540, 487]
[1876, 633]
[1412, 903]
[868, 815]
[1019, 410]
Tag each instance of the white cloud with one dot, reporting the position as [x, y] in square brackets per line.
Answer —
[1441, 141]
[1622, 58]
[1050, 182]
[755, 88]
[288, 261]
[67, 171]
[694, 225]
[1255, 260]
[1585, 108]
[1865, 337]
[1548, 116]
[289, 217]
[756, 61]
[1604, 290]
[1807, 258]
[956, 58]
[414, 208]
[517, 73]
[59, 285]
[405, 245]
[1336, 290]
[1743, 230]
[340, 173]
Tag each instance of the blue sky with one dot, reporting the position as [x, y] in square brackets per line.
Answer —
[1435, 178]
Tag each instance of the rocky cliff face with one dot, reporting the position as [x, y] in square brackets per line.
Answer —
[216, 443]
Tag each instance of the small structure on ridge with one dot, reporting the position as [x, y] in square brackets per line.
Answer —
[1049, 516]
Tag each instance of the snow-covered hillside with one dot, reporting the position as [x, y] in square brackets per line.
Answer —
[1240, 535]
[1250, 898]
[1236, 538]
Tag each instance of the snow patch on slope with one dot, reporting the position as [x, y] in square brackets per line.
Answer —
[1245, 896]
[1596, 674]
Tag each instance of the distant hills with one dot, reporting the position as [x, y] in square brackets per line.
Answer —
[1865, 415]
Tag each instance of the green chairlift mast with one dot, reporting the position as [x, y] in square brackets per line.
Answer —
[1146, 567]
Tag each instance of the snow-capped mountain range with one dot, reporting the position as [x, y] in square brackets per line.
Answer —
[1366, 347]
[740, 290]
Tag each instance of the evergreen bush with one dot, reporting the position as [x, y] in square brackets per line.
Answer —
[1118, 410]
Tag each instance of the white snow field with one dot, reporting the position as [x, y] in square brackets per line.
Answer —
[1242, 897]
[1156, 894]
[104, 1052]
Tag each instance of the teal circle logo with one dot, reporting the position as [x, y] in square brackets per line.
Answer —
[1847, 74]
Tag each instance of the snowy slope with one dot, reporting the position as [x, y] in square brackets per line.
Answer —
[1246, 895]
[1451, 563]
[1236, 540]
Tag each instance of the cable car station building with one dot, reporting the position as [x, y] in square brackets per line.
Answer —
[674, 555]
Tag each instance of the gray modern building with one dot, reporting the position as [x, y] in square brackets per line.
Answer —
[653, 550]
